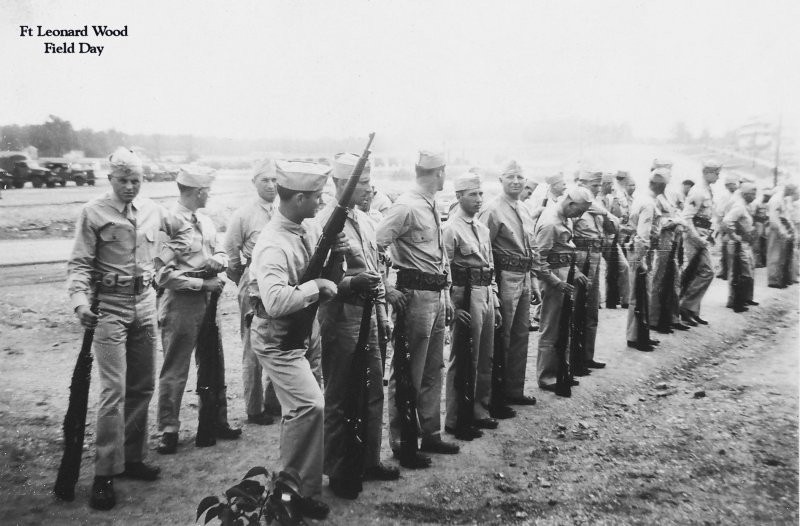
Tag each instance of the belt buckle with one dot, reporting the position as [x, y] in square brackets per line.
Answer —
[109, 280]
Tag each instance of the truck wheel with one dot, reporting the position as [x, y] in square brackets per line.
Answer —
[79, 181]
[18, 184]
[37, 183]
[90, 183]
[50, 184]
[63, 183]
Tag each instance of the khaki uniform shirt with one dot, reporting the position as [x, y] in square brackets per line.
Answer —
[552, 235]
[589, 225]
[466, 241]
[412, 228]
[738, 220]
[510, 227]
[243, 229]
[203, 248]
[699, 203]
[645, 219]
[280, 258]
[107, 241]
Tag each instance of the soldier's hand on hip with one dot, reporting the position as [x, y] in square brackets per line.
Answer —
[327, 288]
[87, 318]
[397, 300]
[366, 281]
[342, 245]
[463, 317]
[214, 285]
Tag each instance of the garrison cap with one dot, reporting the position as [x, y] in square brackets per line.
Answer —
[345, 163]
[660, 175]
[125, 159]
[195, 176]
[688, 182]
[746, 178]
[622, 175]
[512, 168]
[712, 165]
[301, 176]
[554, 178]
[747, 187]
[608, 177]
[430, 160]
[661, 163]
[579, 194]
[730, 178]
[264, 167]
[468, 181]
[590, 176]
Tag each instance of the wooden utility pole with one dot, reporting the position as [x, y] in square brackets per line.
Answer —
[777, 152]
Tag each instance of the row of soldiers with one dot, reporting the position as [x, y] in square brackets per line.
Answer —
[476, 273]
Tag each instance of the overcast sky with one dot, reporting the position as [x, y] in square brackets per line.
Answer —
[418, 69]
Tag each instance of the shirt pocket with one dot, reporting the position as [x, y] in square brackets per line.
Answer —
[468, 249]
[421, 236]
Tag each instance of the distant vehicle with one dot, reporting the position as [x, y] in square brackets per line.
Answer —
[160, 172]
[24, 170]
[79, 173]
[6, 179]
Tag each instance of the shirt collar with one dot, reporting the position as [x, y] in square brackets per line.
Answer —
[119, 205]
[512, 203]
[288, 224]
[266, 205]
[430, 197]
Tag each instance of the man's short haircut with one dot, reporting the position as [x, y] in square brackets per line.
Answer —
[285, 194]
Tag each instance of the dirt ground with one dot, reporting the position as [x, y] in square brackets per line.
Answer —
[704, 430]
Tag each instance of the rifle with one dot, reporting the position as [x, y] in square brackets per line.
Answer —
[498, 398]
[209, 387]
[320, 263]
[383, 338]
[464, 377]
[577, 324]
[666, 313]
[75, 419]
[738, 286]
[612, 274]
[641, 311]
[565, 328]
[405, 394]
[355, 410]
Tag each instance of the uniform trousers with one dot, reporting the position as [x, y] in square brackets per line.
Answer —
[634, 260]
[124, 350]
[302, 405]
[552, 302]
[702, 278]
[778, 251]
[746, 265]
[339, 328]
[256, 399]
[425, 328]
[658, 285]
[180, 316]
[592, 300]
[515, 304]
[481, 328]
[623, 271]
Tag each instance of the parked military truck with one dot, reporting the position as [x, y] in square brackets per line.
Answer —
[69, 171]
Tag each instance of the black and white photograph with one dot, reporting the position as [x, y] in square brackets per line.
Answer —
[399, 262]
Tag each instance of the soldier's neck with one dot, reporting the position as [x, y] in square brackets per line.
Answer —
[188, 203]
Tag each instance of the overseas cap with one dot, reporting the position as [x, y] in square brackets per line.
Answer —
[661, 163]
[512, 168]
[124, 159]
[264, 167]
[579, 194]
[712, 165]
[660, 175]
[301, 176]
[608, 177]
[622, 175]
[345, 163]
[195, 176]
[430, 160]
[555, 178]
[747, 187]
[589, 176]
[468, 181]
[730, 178]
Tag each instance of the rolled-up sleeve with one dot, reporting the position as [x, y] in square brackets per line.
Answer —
[278, 296]
[179, 234]
[392, 226]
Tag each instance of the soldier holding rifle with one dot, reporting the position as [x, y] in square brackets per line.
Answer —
[510, 231]
[116, 254]
[699, 272]
[469, 251]
[188, 283]
[340, 320]
[555, 253]
[412, 227]
[280, 257]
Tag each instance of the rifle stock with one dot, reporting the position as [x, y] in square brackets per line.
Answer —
[641, 310]
[737, 282]
[209, 347]
[464, 378]
[405, 394]
[498, 398]
[565, 330]
[301, 321]
[668, 300]
[577, 327]
[75, 419]
[612, 275]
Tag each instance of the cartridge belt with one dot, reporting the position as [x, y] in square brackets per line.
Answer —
[112, 283]
[559, 259]
[477, 276]
[418, 280]
[587, 243]
[202, 274]
[513, 262]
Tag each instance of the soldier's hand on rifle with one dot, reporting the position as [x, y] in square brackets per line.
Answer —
[367, 281]
[463, 317]
[448, 313]
[582, 280]
[214, 285]
[87, 318]
[397, 300]
[342, 245]
[327, 288]
[213, 265]
[233, 275]
[498, 318]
